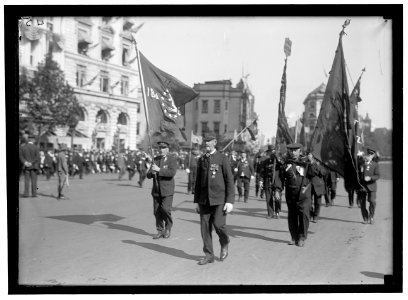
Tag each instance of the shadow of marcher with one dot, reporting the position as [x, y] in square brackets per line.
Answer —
[127, 228]
[163, 249]
[87, 219]
[373, 274]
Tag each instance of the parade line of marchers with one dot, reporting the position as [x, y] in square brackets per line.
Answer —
[305, 174]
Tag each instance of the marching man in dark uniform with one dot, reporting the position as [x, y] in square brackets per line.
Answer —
[369, 174]
[163, 170]
[296, 174]
[62, 170]
[30, 159]
[192, 170]
[259, 158]
[330, 180]
[271, 183]
[234, 165]
[318, 189]
[214, 198]
[245, 173]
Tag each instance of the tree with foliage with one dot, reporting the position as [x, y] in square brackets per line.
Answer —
[48, 99]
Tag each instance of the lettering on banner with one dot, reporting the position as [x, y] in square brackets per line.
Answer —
[28, 22]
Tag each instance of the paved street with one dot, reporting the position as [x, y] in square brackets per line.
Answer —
[102, 235]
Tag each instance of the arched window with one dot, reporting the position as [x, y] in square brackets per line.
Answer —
[81, 114]
[101, 117]
[122, 119]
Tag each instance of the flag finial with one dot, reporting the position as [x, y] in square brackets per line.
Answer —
[346, 23]
[288, 46]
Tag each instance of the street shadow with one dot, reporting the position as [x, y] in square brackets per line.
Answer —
[87, 219]
[373, 274]
[163, 249]
[121, 184]
[234, 232]
[127, 228]
[339, 220]
[189, 210]
[45, 195]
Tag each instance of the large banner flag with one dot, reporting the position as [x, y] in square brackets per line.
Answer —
[283, 135]
[164, 94]
[330, 141]
[253, 130]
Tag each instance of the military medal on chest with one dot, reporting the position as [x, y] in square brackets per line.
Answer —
[213, 170]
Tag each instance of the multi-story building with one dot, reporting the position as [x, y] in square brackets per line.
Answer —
[220, 108]
[98, 59]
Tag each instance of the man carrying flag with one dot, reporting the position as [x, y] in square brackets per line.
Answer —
[163, 95]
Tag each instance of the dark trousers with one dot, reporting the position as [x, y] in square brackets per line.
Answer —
[80, 172]
[298, 219]
[162, 212]
[316, 204]
[370, 197]
[122, 172]
[213, 216]
[47, 172]
[131, 173]
[329, 195]
[273, 205]
[142, 177]
[191, 180]
[30, 175]
[257, 186]
[243, 181]
[62, 179]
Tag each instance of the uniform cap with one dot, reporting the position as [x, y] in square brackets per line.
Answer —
[209, 137]
[163, 144]
[63, 147]
[294, 146]
[371, 150]
[270, 148]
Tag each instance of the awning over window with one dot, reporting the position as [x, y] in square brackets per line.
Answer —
[83, 37]
[107, 45]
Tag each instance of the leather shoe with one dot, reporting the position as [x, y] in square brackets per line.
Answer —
[301, 243]
[371, 221]
[158, 235]
[224, 253]
[166, 234]
[207, 260]
[292, 242]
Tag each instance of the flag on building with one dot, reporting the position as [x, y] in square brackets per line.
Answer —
[90, 82]
[235, 135]
[164, 95]
[31, 32]
[283, 134]
[253, 130]
[330, 141]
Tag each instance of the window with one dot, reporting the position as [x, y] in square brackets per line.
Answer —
[34, 45]
[101, 117]
[225, 128]
[125, 54]
[138, 108]
[124, 85]
[107, 48]
[204, 127]
[217, 106]
[226, 105]
[217, 128]
[104, 81]
[81, 115]
[80, 75]
[84, 39]
[196, 105]
[195, 127]
[138, 128]
[122, 120]
[204, 108]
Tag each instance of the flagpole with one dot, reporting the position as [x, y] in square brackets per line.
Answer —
[296, 127]
[236, 137]
[144, 97]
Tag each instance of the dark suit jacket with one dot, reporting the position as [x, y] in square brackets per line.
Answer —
[318, 184]
[246, 167]
[215, 188]
[373, 171]
[62, 165]
[266, 173]
[30, 153]
[164, 185]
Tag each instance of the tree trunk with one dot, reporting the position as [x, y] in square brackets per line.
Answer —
[72, 137]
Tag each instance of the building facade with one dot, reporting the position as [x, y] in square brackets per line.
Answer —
[99, 61]
[220, 108]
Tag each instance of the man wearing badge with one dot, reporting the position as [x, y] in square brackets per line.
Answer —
[214, 198]
[296, 174]
[163, 170]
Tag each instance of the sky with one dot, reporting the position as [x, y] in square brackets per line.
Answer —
[198, 49]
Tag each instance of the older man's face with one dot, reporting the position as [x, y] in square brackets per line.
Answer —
[210, 145]
[294, 153]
